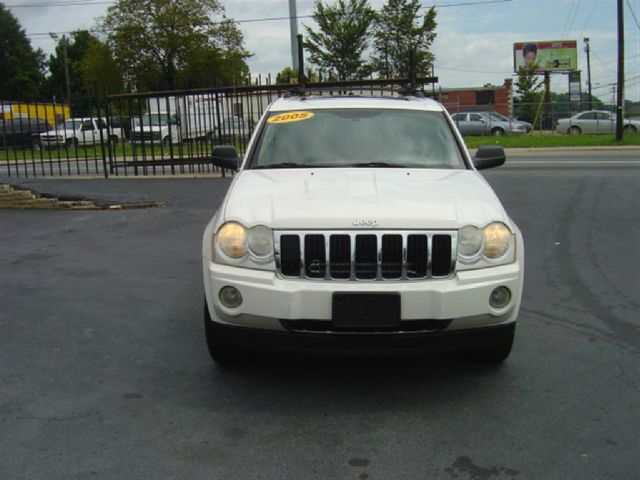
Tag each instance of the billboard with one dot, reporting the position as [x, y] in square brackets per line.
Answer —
[553, 56]
[575, 94]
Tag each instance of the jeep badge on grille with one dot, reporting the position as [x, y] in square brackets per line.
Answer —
[365, 222]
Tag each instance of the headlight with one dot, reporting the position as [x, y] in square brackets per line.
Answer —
[232, 240]
[470, 240]
[260, 241]
[497, 239]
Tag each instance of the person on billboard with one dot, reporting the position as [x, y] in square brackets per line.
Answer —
[529, 53]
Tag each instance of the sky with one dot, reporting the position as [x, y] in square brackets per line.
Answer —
[473, 45]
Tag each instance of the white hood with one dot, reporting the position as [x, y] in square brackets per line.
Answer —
[332, 198]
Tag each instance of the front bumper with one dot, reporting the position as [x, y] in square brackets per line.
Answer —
[356, 344]
[460, 302]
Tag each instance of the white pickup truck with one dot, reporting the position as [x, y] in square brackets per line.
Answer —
[80, 131]
[360, 224]
[175, 119]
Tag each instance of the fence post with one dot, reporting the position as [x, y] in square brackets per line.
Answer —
[104, 154]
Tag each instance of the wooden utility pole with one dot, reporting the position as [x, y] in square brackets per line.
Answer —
[67, 80]
[620, 96]
[588, 50]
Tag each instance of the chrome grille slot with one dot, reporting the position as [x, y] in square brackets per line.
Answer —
[440, 263]
[391, 256]
[417, 256]
[315, 261]
[365, 255]
[290, 255]
[340, 256]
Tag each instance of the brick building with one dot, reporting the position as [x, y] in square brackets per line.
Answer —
[499, 99]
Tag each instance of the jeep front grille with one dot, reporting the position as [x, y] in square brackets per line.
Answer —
[365, 255]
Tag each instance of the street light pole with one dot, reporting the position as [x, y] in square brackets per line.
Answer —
[65, 59]
[586, 49]
[65, 44]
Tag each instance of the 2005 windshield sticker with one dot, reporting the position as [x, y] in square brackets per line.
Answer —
[289, 117]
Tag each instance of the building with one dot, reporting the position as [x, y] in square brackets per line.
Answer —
[499, 99]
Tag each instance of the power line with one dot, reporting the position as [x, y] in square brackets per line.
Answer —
[584, 26]
[633, 14]
[63, 3]
[470, 71]
[247, 20]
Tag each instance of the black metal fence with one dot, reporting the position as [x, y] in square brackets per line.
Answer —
[154, 133]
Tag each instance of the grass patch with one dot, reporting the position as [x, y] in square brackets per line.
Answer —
[555, 140]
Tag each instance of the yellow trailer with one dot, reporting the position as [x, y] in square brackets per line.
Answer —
[53, 113]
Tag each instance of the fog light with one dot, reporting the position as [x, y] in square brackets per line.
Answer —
[500, 297]
[230, 297]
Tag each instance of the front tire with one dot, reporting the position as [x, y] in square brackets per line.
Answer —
[630, 129]
[497, 132]
[220, 351]
[574, 131]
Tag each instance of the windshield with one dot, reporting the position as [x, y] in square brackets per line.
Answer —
[152, 119]
[69, 125]
[357, 137]
[497, 116]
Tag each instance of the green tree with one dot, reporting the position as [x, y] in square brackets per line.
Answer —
[21, 67]
[290, 75]
[99, 69]
[77, 47]
[399, 29]
[527, 102]
[342, 39]
[167, 44]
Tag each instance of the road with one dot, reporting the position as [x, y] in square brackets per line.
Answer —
[105, 374]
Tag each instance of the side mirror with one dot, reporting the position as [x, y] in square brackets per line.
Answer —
[225, 156]
[489, 156]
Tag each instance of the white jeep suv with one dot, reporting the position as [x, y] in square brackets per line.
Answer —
[360, 224]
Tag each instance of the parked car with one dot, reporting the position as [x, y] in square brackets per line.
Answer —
[486, 123]
[528, 127]
[594, 121]
[156, 128]
[80, 131]
[233, 128]
[360, 224]
[22, 132]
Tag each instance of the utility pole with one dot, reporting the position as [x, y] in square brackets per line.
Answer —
[620, 99]
[65, 44]
[65, 59]
[293, 28]
[586, 49]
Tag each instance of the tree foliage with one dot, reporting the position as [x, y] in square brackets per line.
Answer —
[174, 43]
[99, 69]
[21, 67]
[398, 29]
[77, 47]
[342, 39]
[290, 75]
[528, 94]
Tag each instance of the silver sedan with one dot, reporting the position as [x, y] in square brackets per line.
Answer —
[594, 121]
[487, 123]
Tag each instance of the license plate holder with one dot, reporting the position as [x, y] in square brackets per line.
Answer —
[365, 310]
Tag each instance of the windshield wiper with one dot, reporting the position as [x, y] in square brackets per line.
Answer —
[283, 165]
[375, 165]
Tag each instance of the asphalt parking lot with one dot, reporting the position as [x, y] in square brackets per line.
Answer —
[105, 373]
